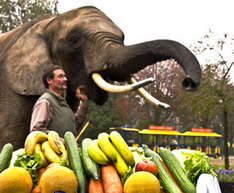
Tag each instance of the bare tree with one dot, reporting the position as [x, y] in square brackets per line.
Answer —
[133, 107]
[217, 52]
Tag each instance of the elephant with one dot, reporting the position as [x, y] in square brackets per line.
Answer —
[90, 47]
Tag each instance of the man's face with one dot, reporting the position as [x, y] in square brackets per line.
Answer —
[59, 82]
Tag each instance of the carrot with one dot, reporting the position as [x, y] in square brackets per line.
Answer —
[41, 171]
[95, 186]
[36, 189]
[111, 180]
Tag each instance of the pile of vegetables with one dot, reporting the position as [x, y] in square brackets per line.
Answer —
[174, 171]
[194, 163]
[32, 163]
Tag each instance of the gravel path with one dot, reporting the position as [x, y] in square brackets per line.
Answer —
[220, 161]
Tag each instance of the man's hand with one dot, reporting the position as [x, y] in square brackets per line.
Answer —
[81, 94]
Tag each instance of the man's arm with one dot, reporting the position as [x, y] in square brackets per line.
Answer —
[41, 116]
[81, 112]
[80, 115]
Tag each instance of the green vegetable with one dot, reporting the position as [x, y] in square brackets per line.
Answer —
[75, 161]
[5, 156]
[127, 174]
[32, 163]
[177, 171]
[138, 154]
[179, 154]
[91, 167]
[165, 179]
[195, 164]
[15, 156]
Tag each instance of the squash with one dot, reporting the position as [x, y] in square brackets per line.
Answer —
[165, 177]
[58, 178]
[142, 182]
[177, 171]
[91, 167]
[5, 156]
[75, 161]
[15, 180]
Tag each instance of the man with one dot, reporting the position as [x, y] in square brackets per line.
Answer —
[51, 111]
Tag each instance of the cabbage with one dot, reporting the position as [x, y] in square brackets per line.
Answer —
[194, 163]
[15, 156]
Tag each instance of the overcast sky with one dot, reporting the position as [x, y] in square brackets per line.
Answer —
[181, 20]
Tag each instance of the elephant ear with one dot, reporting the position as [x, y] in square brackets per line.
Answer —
[27, 58]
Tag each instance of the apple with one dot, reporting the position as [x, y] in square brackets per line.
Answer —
[148, 166]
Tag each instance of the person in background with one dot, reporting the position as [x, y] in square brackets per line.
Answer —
[51, 111]
[174, 144]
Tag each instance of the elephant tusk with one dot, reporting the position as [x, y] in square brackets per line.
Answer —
[97, 78]
[149, 97]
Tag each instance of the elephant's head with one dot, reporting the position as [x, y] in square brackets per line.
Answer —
[85, 42]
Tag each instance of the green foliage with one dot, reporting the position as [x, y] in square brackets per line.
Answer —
[102, 118]
[16, 12]
[32, 163]
[197, 163]
[225, 175]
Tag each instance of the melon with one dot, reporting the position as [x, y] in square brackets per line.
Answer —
[15, 180]
[58, 178]
[142, 182]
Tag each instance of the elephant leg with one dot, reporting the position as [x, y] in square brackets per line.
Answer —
[15, 115]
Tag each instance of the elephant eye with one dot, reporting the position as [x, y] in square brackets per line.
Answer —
[75, 41]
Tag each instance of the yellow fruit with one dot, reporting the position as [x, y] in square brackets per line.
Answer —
[106, 146]
[96, 153]
[58, 178]
[120, 165]
[55, 141]
[39, 151]
[15, 180]
[49, 153]
[122, 147]
[142, 182]
[32, 139]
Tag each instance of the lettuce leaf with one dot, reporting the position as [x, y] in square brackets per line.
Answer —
[195, 164]
[32, 163]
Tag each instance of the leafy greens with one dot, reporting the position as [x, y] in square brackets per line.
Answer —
[32, 163]
[197, 163]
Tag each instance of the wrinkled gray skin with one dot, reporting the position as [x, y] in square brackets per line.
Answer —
[83, 41]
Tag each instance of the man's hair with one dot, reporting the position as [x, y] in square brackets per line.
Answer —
[49, 74]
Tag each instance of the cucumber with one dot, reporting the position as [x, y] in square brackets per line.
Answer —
[75, 161]
[177, 171]
[165, 179]
[5, 156]
[90, 166]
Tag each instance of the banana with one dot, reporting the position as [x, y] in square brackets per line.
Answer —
[64, 156]
[32, 139]
[96, 153]
[106, 146]
[122, 147]
[39, 151]
[54, 141]
[57, 145]
[49, 153]
[120, 165]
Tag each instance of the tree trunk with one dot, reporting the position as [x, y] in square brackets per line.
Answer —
[225, 124]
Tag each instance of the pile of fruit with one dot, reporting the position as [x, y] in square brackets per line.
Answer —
[51, 164]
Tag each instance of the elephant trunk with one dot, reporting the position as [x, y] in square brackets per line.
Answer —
[128, 60]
